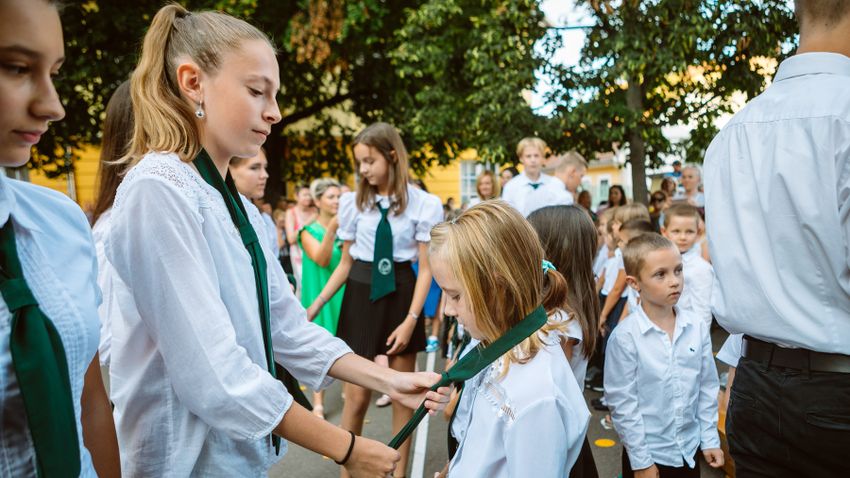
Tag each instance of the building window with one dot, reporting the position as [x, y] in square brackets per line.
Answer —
[469, 171]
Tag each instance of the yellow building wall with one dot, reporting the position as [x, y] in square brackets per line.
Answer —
[85, 177]
[444, 181]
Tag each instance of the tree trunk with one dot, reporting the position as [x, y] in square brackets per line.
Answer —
[276, 154]
[637, 147]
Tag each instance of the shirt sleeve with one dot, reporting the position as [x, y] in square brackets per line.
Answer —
[347, 229]
[730, 352]
[708, 389]
[529, 455]
[159, 250]
[621, 395]
[843, 191]
[701, 293]
[301, 347]
[430, 214]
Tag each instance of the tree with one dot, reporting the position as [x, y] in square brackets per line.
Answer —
[450, 74]
[647, 64]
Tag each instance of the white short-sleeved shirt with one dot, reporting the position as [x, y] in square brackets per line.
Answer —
[600, 260]
[730, 352]
[58, 260]
[504, 418]
[188, 375]
[411, 227]
[780, 169]
[578, 362]
[698, 198]
[520, 193]
[699, 279]
[662, 393]
[613, 266]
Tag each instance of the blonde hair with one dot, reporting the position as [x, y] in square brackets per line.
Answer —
[570, 159]
[320, 186]
[493, 180]
[491, 247]
[635, 252]
[531, 141]
[631, 211]
[386, 139]
[164, 120]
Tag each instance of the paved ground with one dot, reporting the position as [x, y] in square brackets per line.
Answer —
[304, 464]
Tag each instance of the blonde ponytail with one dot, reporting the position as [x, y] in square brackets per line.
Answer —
[164, 120]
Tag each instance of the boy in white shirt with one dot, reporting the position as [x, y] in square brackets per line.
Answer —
[660, 378]
[681, 226]
[532, 189]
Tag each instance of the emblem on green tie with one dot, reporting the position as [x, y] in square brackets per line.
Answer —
[383, 270]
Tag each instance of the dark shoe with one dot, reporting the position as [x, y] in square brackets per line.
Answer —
[598, 404]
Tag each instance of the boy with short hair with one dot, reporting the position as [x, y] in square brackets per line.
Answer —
[681, 225]
[532, 189]
[660, 379]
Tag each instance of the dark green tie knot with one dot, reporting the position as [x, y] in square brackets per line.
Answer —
[17, 294]
[535, 185]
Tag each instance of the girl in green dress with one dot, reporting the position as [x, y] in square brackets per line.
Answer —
[321, 254]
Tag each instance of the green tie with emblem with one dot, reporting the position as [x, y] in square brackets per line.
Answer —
[41, 368]
[383, 268]
[227, 188]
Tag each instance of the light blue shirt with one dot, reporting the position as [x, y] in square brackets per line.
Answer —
[777, 192]
[58, 261]
[662, 393]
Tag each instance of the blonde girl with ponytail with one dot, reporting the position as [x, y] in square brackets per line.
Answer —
[208, 317]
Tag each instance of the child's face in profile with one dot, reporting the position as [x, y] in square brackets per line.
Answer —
[660, 280]
[456, 299]
[683, 231]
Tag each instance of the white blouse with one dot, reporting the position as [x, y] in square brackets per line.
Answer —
[612, 269]
[531, 422]
[58, 260]
[411, 227]
[188, 374]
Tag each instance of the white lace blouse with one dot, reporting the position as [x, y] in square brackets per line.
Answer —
[188, 375]
[531, 422]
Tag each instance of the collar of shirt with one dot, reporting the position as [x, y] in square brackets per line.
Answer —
[8, 206]
[645, 324]
[813, 64]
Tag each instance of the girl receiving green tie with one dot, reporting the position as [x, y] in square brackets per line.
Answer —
[386, 226]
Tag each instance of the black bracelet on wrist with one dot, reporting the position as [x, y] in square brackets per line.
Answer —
[348, 453]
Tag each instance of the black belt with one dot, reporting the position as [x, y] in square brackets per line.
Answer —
[769, 354]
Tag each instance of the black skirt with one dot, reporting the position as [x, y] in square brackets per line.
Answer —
[365, 325]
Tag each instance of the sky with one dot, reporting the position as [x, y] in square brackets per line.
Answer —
[561, 13]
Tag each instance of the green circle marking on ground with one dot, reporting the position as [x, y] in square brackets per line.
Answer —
[604, 443]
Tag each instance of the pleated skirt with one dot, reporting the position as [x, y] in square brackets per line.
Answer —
[365, 325]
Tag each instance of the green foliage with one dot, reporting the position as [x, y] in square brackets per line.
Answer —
[449, 73]
[687, 58]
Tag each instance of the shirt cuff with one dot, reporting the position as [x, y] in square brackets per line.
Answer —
[640, 458]
[709, 440]
[287, 404]
[333, 352]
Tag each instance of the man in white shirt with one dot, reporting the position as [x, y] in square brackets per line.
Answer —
[570, 169]
[777, 189]
[533, 189]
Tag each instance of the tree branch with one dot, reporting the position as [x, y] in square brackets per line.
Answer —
[316, 108]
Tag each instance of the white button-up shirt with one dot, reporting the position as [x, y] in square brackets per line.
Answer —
[531, 422]
[58, 260]
[662, 393]
[188, 375]
[520, 193]
[777, 187]
[699, 279]
[411, 227]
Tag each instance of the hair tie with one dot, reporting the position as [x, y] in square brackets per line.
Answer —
[548, 266]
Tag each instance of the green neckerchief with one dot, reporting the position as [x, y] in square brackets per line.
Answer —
[41, 368]
[475, 361]
[227, 188]
[383, 267]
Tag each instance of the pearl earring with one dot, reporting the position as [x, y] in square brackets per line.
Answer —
[199, 112]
